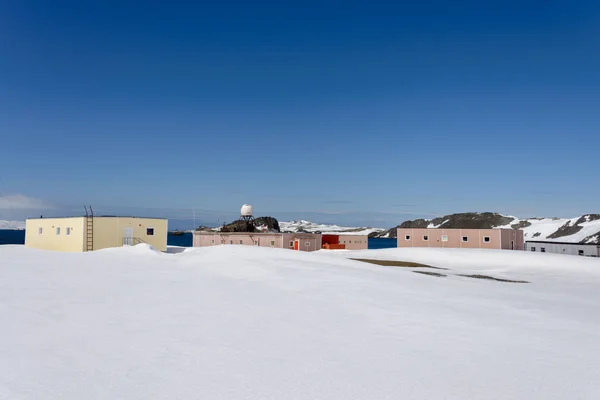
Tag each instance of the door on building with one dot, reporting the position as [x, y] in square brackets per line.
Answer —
[512, 244]
[296, 245]
[127, 236]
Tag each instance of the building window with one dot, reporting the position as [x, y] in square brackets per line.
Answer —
[486, 239]
[465, 238]
[272, 243]
[58, 230]
[241, 241]
[212, 241]
[543, 249]
[40, 230]
[349, 241]
[533, 249]
[231, 242]
[68, 232]
[291, 243]
[425, 237]
[580, 252]
[307, 244]
[407, 237]
[150, 231]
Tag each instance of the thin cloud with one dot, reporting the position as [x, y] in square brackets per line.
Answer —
[21, 202]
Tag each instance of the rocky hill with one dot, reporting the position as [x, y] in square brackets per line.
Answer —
[261, 224]
[584, 229]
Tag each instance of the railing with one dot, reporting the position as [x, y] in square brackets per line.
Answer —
[132, 241]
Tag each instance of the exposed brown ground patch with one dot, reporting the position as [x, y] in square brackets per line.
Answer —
[391, 263]
[430, 273]
[491, 278]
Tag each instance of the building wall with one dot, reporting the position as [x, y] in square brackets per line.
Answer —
[354, 242]
[453, 238]
[307, 241]
[330, 239]
[109, 231]
[563, 248]
[513, 236]
[49, 239]
[276, 240]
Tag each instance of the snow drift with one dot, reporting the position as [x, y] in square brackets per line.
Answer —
[236, 322]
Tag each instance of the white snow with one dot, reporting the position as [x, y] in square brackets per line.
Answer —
[18, 225]
[242, 322]
[295, 226]
[547, 226]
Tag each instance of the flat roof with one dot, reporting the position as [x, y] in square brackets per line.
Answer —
[562, 243]
[96, 216]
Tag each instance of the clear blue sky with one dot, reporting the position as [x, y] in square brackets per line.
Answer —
[351, 112]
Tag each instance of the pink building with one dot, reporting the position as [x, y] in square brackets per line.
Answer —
[292, 241]
[507, 239]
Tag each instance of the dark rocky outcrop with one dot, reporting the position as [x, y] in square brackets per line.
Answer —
[484, 220]
[270, 223]
[571, 229]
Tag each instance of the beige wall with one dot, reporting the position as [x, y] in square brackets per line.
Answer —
[355, 242]
[107, 232]
[48, 239]
[276, 240]
[498, 238]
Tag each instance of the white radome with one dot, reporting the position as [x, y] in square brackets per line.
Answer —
[246, 210]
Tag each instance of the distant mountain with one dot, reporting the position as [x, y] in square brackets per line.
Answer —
[12, 225]
[584, 229]
[311, 227]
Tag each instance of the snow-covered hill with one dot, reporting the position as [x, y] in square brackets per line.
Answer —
[307, 226]
[242, 322]
[12, 225]
[584, 229]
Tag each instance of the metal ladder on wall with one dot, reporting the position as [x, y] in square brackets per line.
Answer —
[89, 229]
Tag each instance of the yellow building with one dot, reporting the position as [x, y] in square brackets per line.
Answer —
[94, 233]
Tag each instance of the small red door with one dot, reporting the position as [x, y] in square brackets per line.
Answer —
[296, 245]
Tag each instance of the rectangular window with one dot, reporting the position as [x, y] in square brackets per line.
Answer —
[150, 231]
[486, 239]
[349, 241]
[241, 241]
[40, 230]
[425, 237]
[407, 237]
[68, 232]
[291, 243]
[533, 249]
[307, 244]
[231, 242]
[58, 230]
[272, 243]
[212, 241]
[543, 249]
[580, 252]
[465, 238]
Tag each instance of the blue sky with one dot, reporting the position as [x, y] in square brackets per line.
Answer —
[347, 112]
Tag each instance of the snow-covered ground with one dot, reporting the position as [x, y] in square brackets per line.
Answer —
[295, 226]
[12, 225]
[237, 322]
